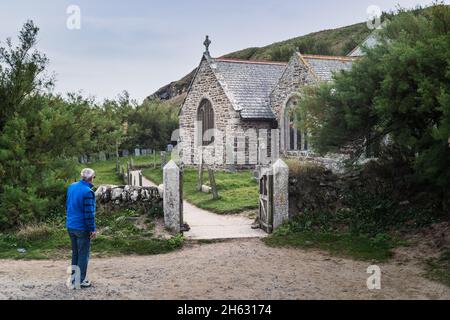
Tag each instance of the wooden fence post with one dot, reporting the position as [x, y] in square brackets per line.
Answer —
[212, 182]
[200, 174]
[128, 173]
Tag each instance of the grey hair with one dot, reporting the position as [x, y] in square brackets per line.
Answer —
[87, 174]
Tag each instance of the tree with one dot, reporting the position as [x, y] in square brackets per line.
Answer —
[40, 133]
[400, 90]
[152, 124]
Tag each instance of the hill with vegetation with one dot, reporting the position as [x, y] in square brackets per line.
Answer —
[336, 42]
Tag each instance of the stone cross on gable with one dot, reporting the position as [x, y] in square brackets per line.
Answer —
[206, 44]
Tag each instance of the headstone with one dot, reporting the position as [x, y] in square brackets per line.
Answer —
[173, 203]
[280, 193]
[137, 152]
[125, 153]
[102, 156]
[206, 189]
[169, 148]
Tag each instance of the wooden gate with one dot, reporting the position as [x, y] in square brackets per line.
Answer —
[182, 224]
[266, 201]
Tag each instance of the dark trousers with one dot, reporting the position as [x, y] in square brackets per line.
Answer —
[81, 246]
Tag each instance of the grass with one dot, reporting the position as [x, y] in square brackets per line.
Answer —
[106, 170]
[439, 269]
[118, 235]
[237, 191]
[345, 245]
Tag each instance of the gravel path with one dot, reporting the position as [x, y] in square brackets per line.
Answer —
[235, 269]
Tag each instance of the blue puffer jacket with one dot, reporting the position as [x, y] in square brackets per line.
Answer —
[80, 207]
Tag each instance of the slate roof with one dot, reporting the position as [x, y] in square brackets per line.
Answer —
[323, 67]
[370, 42]
[248, 84]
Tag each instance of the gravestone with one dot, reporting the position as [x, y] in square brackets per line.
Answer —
[172, 199]
[137, 152]
[102, 156]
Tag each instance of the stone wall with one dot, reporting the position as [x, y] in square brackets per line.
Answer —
[333, 162]
[313, 187]
[127, 197]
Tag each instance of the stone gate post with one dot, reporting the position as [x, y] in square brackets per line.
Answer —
[280, 193]
[172, 200]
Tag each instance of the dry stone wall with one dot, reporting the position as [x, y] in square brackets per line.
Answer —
[127, 197]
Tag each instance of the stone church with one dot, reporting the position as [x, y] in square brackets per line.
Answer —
[235, 97]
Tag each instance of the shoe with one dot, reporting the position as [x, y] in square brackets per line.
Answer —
[86, 284]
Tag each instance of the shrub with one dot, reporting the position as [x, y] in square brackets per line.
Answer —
[34, 232]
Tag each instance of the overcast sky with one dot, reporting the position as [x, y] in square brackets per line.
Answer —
[141, 45]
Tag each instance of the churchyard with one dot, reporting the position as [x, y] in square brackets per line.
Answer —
[312, 170]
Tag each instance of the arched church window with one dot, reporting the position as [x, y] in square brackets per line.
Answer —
[295, 138]
[205, 118]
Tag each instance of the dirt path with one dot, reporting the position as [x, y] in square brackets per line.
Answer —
[236, 269]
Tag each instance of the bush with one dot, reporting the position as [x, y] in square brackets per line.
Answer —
[399, 90]
[34, 232]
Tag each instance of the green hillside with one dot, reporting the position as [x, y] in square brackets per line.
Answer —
[338, 42]
[328, 42]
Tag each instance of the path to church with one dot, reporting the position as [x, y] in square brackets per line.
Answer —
[209, 226]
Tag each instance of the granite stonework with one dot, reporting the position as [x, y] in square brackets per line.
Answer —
[249, 99]
[173, 202]
[280, 193]
[111, 197]
[231, 129]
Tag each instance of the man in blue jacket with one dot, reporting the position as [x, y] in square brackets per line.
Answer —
[80, 223]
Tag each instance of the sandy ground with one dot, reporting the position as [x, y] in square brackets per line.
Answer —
[234, 269]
